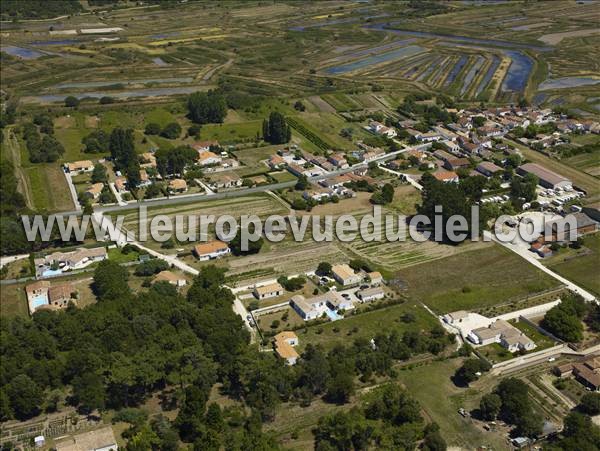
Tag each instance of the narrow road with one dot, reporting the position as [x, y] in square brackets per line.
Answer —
[15, 157]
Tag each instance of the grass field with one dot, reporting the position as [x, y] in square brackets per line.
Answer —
[440, 400]
[583, 270]
[368, 324]
[43, 176]
[474, 279]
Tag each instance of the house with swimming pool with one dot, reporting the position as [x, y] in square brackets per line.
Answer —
[59, 262]
[43, 295]
[328, 303]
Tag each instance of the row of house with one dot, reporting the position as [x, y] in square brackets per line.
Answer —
[585, 371]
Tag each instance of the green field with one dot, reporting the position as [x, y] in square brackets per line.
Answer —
[475, 279]
[583, 270]
[369, 324]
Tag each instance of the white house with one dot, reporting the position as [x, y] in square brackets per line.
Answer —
[309, 309]
[345, 275]
[370, 294]
[270, 290]
[211, 250]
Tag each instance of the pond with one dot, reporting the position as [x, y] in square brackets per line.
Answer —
[160, 62]
[27, 54]
[488, 75]
[456, 70]
[567, 82]
[55, 42]
[479, 41]
[98, 84]
[518, 71]
[376, 59]
[149, 92]
[474, 70]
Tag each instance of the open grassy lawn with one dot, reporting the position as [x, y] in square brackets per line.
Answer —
[231, 133]
[474, 279]
[13, 301]
[440, 399]
[368, 324]
[541, 340]
[583, 270]
[42, 177]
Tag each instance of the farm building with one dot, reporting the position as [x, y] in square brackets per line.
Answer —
[547, 178]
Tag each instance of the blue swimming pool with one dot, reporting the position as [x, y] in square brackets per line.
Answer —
[333, 315]
[38, 301]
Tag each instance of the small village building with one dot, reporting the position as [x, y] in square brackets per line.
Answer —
[454, 164]
[121, 184]
[93, 192]
[446, 176]
[371, 294]
[208, 158]
[204, 146]
[456, 317]
[148, 160]
[177, 186]
[345, 275]
[224, 181]
[170, 277]
[65, 261]
[276, 162]
[79, 167]
[309, 309]
[501, 331]
[375, 277]
[211, 250]
[271, 290]
[488, 168]
[283, 344]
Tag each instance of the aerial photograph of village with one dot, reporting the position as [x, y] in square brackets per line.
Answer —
[328, 225]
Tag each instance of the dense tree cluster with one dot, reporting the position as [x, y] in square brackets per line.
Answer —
[42, 147]
[470, 370]
[96, 142]
[510, 402]
[171, 131]
[207, 107]
[38, 9]
[275, 129]
[565, 319]
[524, 187]
[116, 352]
[454, 199]
[390, 420]
[383, 196]
[174, 161]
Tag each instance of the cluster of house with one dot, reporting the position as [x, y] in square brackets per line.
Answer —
[585, 371]
[44, 295]
[59, 262]
[498, 331]
[333, 302]
[560, 230]
[211, 161]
